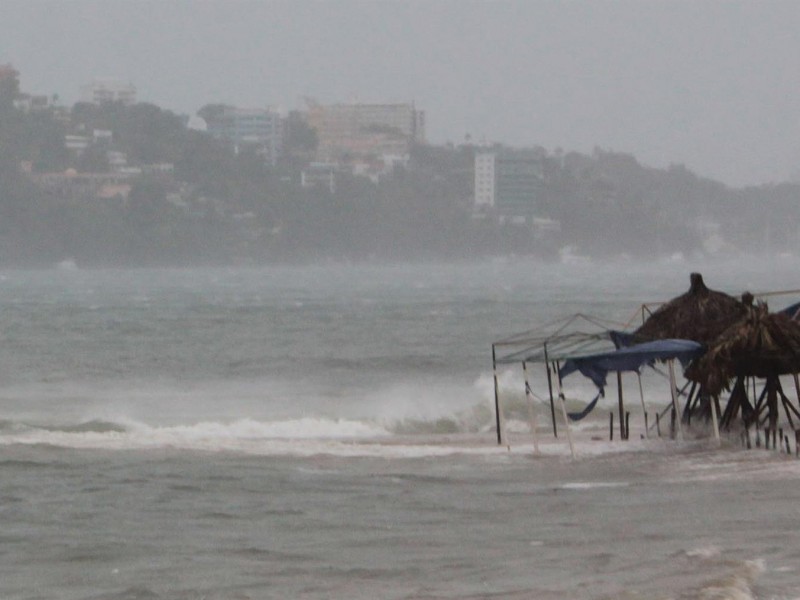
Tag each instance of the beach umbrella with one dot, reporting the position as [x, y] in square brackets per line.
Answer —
[699, 315]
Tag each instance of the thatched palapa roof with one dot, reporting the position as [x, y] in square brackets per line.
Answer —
[699, 315]
[763, 344]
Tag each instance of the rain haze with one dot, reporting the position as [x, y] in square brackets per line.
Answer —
[262, 265]
[712, 85]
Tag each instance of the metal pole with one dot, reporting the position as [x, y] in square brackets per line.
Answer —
[675, 402]
[623, 428]
[498, 424]
[566, 416]
[550, 389]
[531, 412]
[644, 410]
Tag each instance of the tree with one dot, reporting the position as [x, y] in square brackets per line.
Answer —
[300, 138]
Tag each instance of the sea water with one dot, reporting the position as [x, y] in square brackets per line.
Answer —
[328, 432]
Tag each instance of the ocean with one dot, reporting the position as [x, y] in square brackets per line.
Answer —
[328, 432]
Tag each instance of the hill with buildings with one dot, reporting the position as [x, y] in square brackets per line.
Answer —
[112, 181]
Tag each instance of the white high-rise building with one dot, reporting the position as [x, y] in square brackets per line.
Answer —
[484, 179]
[510, 181]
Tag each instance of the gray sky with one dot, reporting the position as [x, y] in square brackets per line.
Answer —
[712, 85]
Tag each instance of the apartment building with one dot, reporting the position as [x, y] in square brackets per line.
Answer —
[259, 128]
[509, 181]
[352, 131]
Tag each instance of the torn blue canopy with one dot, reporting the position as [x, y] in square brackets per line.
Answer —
[631, 358]
[793, 311]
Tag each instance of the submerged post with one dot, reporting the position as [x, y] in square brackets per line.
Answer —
[531, 412]
[564, 411]
[498, 425]
[675, 402]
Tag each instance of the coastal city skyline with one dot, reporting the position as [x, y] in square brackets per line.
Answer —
[708, 85]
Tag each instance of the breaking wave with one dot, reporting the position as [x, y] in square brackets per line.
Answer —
[737, 584]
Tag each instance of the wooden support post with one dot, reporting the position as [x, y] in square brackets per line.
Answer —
[760, 405]
[787, 406]
[749, 443]
[734, 403]
[531, 411]
[772, 402]
[658, 424]
[797, 443]
[788, 449]
[714, 421]
[797, 386]
[627, 425]
[692, 400]
[611, 426]
[646, 426]
[672, 419]
[566, 416]
[673, 390]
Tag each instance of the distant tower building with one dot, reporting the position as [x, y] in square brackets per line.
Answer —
[9, 81]
[100, 91]
[511, 181]
[259, 128]
[7, 71]
[484, 179]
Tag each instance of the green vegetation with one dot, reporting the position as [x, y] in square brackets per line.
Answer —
[218, 207]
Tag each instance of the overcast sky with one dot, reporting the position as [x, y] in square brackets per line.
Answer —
[712, 85]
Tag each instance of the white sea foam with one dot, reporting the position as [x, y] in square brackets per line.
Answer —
[737, 585]
[305, 436]
[705, 552]
[586, 485]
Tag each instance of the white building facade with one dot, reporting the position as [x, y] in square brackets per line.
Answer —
[100, 91]
[485, 179]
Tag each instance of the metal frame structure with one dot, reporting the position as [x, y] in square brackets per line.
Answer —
[572, 337]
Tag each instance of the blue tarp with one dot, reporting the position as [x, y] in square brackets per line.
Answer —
[632, 358]
[792, 311]
[621, 339]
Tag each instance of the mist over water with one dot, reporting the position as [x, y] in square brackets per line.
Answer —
[327, 431]
[385, 344]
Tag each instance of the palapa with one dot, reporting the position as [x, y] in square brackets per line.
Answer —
[699, 315]
[762, 344]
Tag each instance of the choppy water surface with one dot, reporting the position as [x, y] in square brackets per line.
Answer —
[326, 432]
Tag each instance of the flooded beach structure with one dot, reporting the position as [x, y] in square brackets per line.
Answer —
[728, 349]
